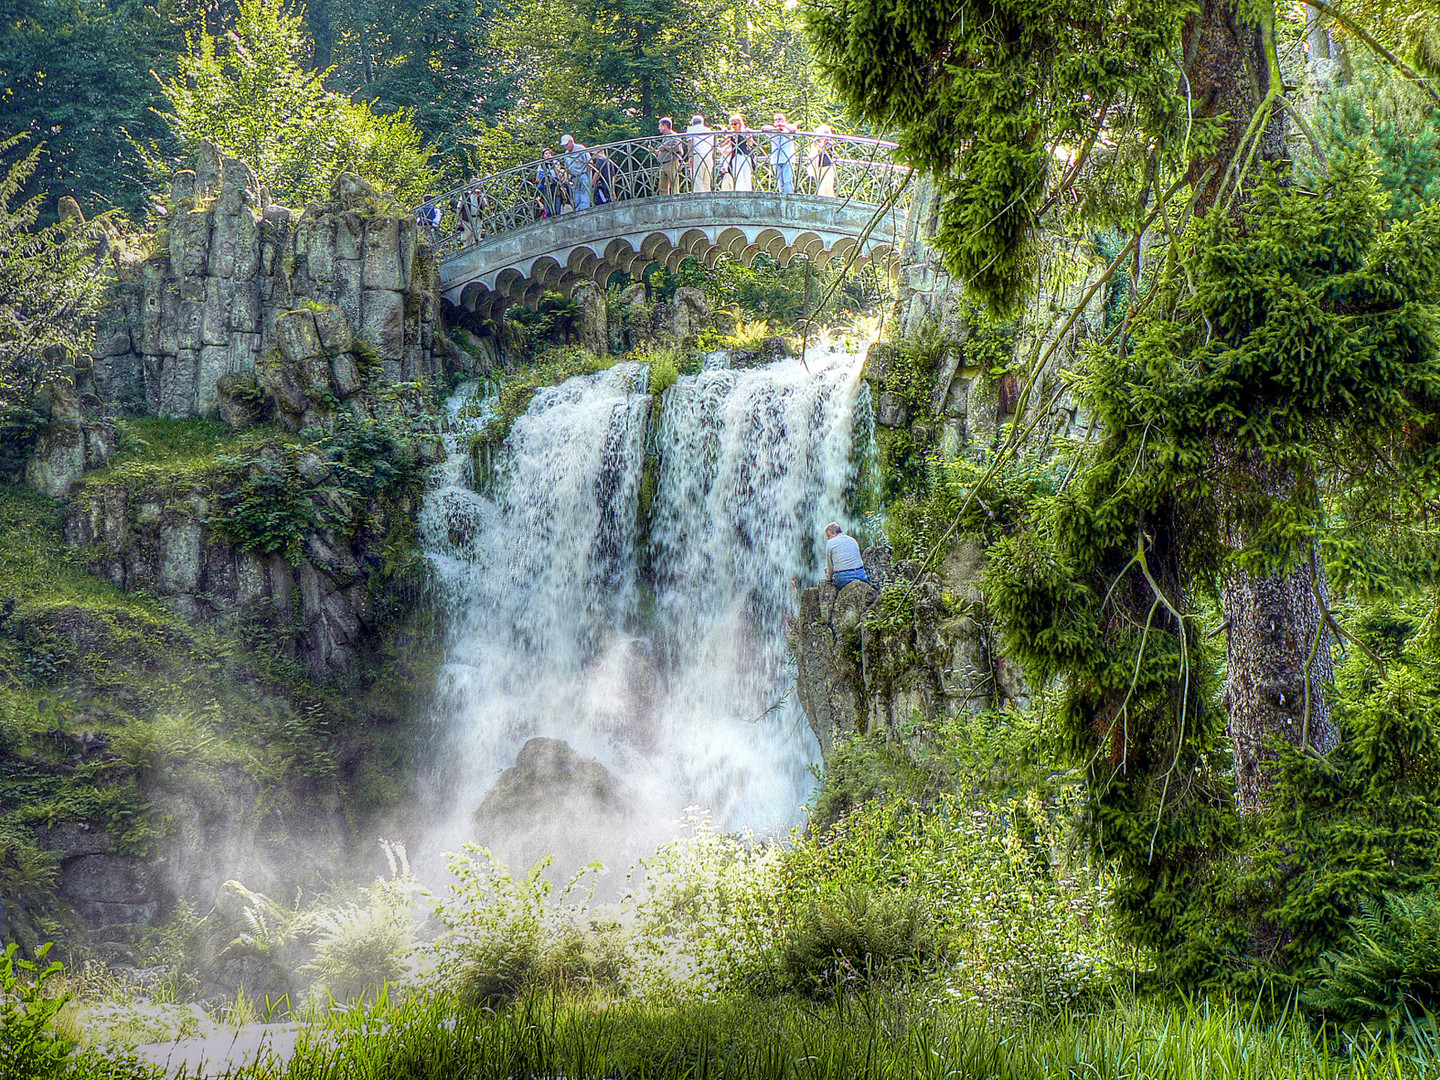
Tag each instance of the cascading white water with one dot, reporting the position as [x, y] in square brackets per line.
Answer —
[661, 657]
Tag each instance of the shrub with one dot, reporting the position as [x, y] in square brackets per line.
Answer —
[855, 937]
[1387, 975]
[30, 1049]
[503, 935]
[862, 768]
[362, 948]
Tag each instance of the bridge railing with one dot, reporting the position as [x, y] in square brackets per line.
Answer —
[842, 167]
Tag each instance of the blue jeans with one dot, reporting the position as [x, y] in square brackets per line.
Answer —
[844, 577]
[785, 174]
[581, 194]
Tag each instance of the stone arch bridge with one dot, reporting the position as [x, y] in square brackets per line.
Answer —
[846, 200]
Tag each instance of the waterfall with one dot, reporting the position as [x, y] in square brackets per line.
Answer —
[656, 648]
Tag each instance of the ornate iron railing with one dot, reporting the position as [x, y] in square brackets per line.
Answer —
[843, 167]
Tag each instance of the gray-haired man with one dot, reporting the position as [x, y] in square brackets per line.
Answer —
[843, 563]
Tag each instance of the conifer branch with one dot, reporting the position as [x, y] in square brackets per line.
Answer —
[1364, 35]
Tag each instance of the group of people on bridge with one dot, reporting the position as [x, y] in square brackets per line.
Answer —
[697, 159]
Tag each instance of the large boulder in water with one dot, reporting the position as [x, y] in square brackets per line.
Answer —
[552, 801]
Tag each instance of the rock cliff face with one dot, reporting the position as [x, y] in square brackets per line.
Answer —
[161, 536]
[866, 667]
[862, 668]
[209, 302]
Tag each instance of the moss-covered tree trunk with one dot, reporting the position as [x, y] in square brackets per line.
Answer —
[1228, 74]
[1275, 625]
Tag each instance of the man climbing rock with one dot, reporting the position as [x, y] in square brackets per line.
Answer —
[843, 563]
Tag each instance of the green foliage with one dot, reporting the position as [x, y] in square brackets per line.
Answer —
[78, 75]
[51, 285]
[876, 1036]
[435, 58]
[859, 936]
[863, 768]
[254, 93]
[360, 949]
[503, 936]
[1386, 976]
[964, 497]
[263, 504]
[982, 93]
[1381, 119]
[265, 508]
[1304, 342]
[608, 70]
[553, 320]
[29, 1046]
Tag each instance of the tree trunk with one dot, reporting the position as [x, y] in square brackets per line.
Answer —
[1276, 628]
[1228, 74]
[1277, 635]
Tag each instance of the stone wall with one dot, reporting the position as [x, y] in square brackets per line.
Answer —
[228, 263]
[857, 675]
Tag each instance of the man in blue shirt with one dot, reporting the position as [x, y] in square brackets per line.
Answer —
[843, 563]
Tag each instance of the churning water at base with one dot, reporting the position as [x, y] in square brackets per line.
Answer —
[656, 649]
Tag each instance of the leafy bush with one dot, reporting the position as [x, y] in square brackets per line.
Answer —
[249, 92]
[267, 510]
[1386, 976]
[362, 948]
[859, 935]
[504, 935]
[862, 768]
[30, 1049]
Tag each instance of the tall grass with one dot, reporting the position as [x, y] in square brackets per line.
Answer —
[874, 1036]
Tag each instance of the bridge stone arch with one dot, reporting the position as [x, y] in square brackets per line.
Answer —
[562, 252]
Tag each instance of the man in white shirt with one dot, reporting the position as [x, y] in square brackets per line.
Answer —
[702, 153]
[782, 153]
[843, 563]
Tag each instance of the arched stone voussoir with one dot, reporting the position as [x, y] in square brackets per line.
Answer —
[545, 269]
[570, 281]
[844, 248]
[620, 251]
[809, 245]
[582, 259]
[508, 280]
[732, 240]
[630, 235]
[654, 244]
[471, 295]
[694, 241]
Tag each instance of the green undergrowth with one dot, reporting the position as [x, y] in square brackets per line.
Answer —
[153, 452]
[877, 1036]
[112, 705]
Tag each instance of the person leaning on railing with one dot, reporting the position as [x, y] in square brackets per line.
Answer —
[602, 171]
[740, 157]
[670, 152]
[577, 164]
[547, 176]
[782, 153]
[702, 153]
[821, 166]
